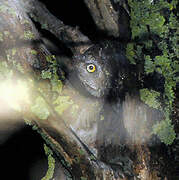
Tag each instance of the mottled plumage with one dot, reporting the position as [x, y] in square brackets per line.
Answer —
[104, 88]
[120, 117]
[111, 68]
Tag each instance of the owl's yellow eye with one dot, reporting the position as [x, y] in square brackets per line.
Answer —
[91, 68]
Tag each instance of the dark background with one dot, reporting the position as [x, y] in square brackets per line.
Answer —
[73, 13]
[19, 153]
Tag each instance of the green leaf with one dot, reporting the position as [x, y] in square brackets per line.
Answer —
[165, 131]
[130, 53]
[149, 66]
[150, 98]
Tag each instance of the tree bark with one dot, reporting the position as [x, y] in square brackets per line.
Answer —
[21, 55]
[72, 37]
[110, 17]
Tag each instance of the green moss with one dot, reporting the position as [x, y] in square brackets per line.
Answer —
[10, 53]
[51, 163]
[53, 146]
[56, 85]
[28, 35]
[44, 136]
[28, 122]
[33, 52]
[40, 108]
[46, 74]
[51, 74]
[11, 57]
[51, 58]
[25, 21]
[62, 103]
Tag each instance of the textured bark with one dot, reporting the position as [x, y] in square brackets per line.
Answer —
[106, 18]
[72, 37]
[110, 17]
[21, 35]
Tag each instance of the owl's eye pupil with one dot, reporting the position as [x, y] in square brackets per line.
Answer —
[91, 68]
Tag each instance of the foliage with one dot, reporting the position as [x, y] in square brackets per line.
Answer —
[150, 98]
[130, 53]
[154, 28]
[164, 129]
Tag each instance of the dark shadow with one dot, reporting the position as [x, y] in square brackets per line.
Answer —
[20, 153]
[73, 13]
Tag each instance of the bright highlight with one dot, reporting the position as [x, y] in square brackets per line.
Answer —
[14, 94]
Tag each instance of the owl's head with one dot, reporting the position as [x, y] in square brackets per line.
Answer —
[98, 67]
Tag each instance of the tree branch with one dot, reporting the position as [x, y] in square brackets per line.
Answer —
[72, 37]
[110, 17]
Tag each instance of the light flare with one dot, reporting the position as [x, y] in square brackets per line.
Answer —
[14, 94]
